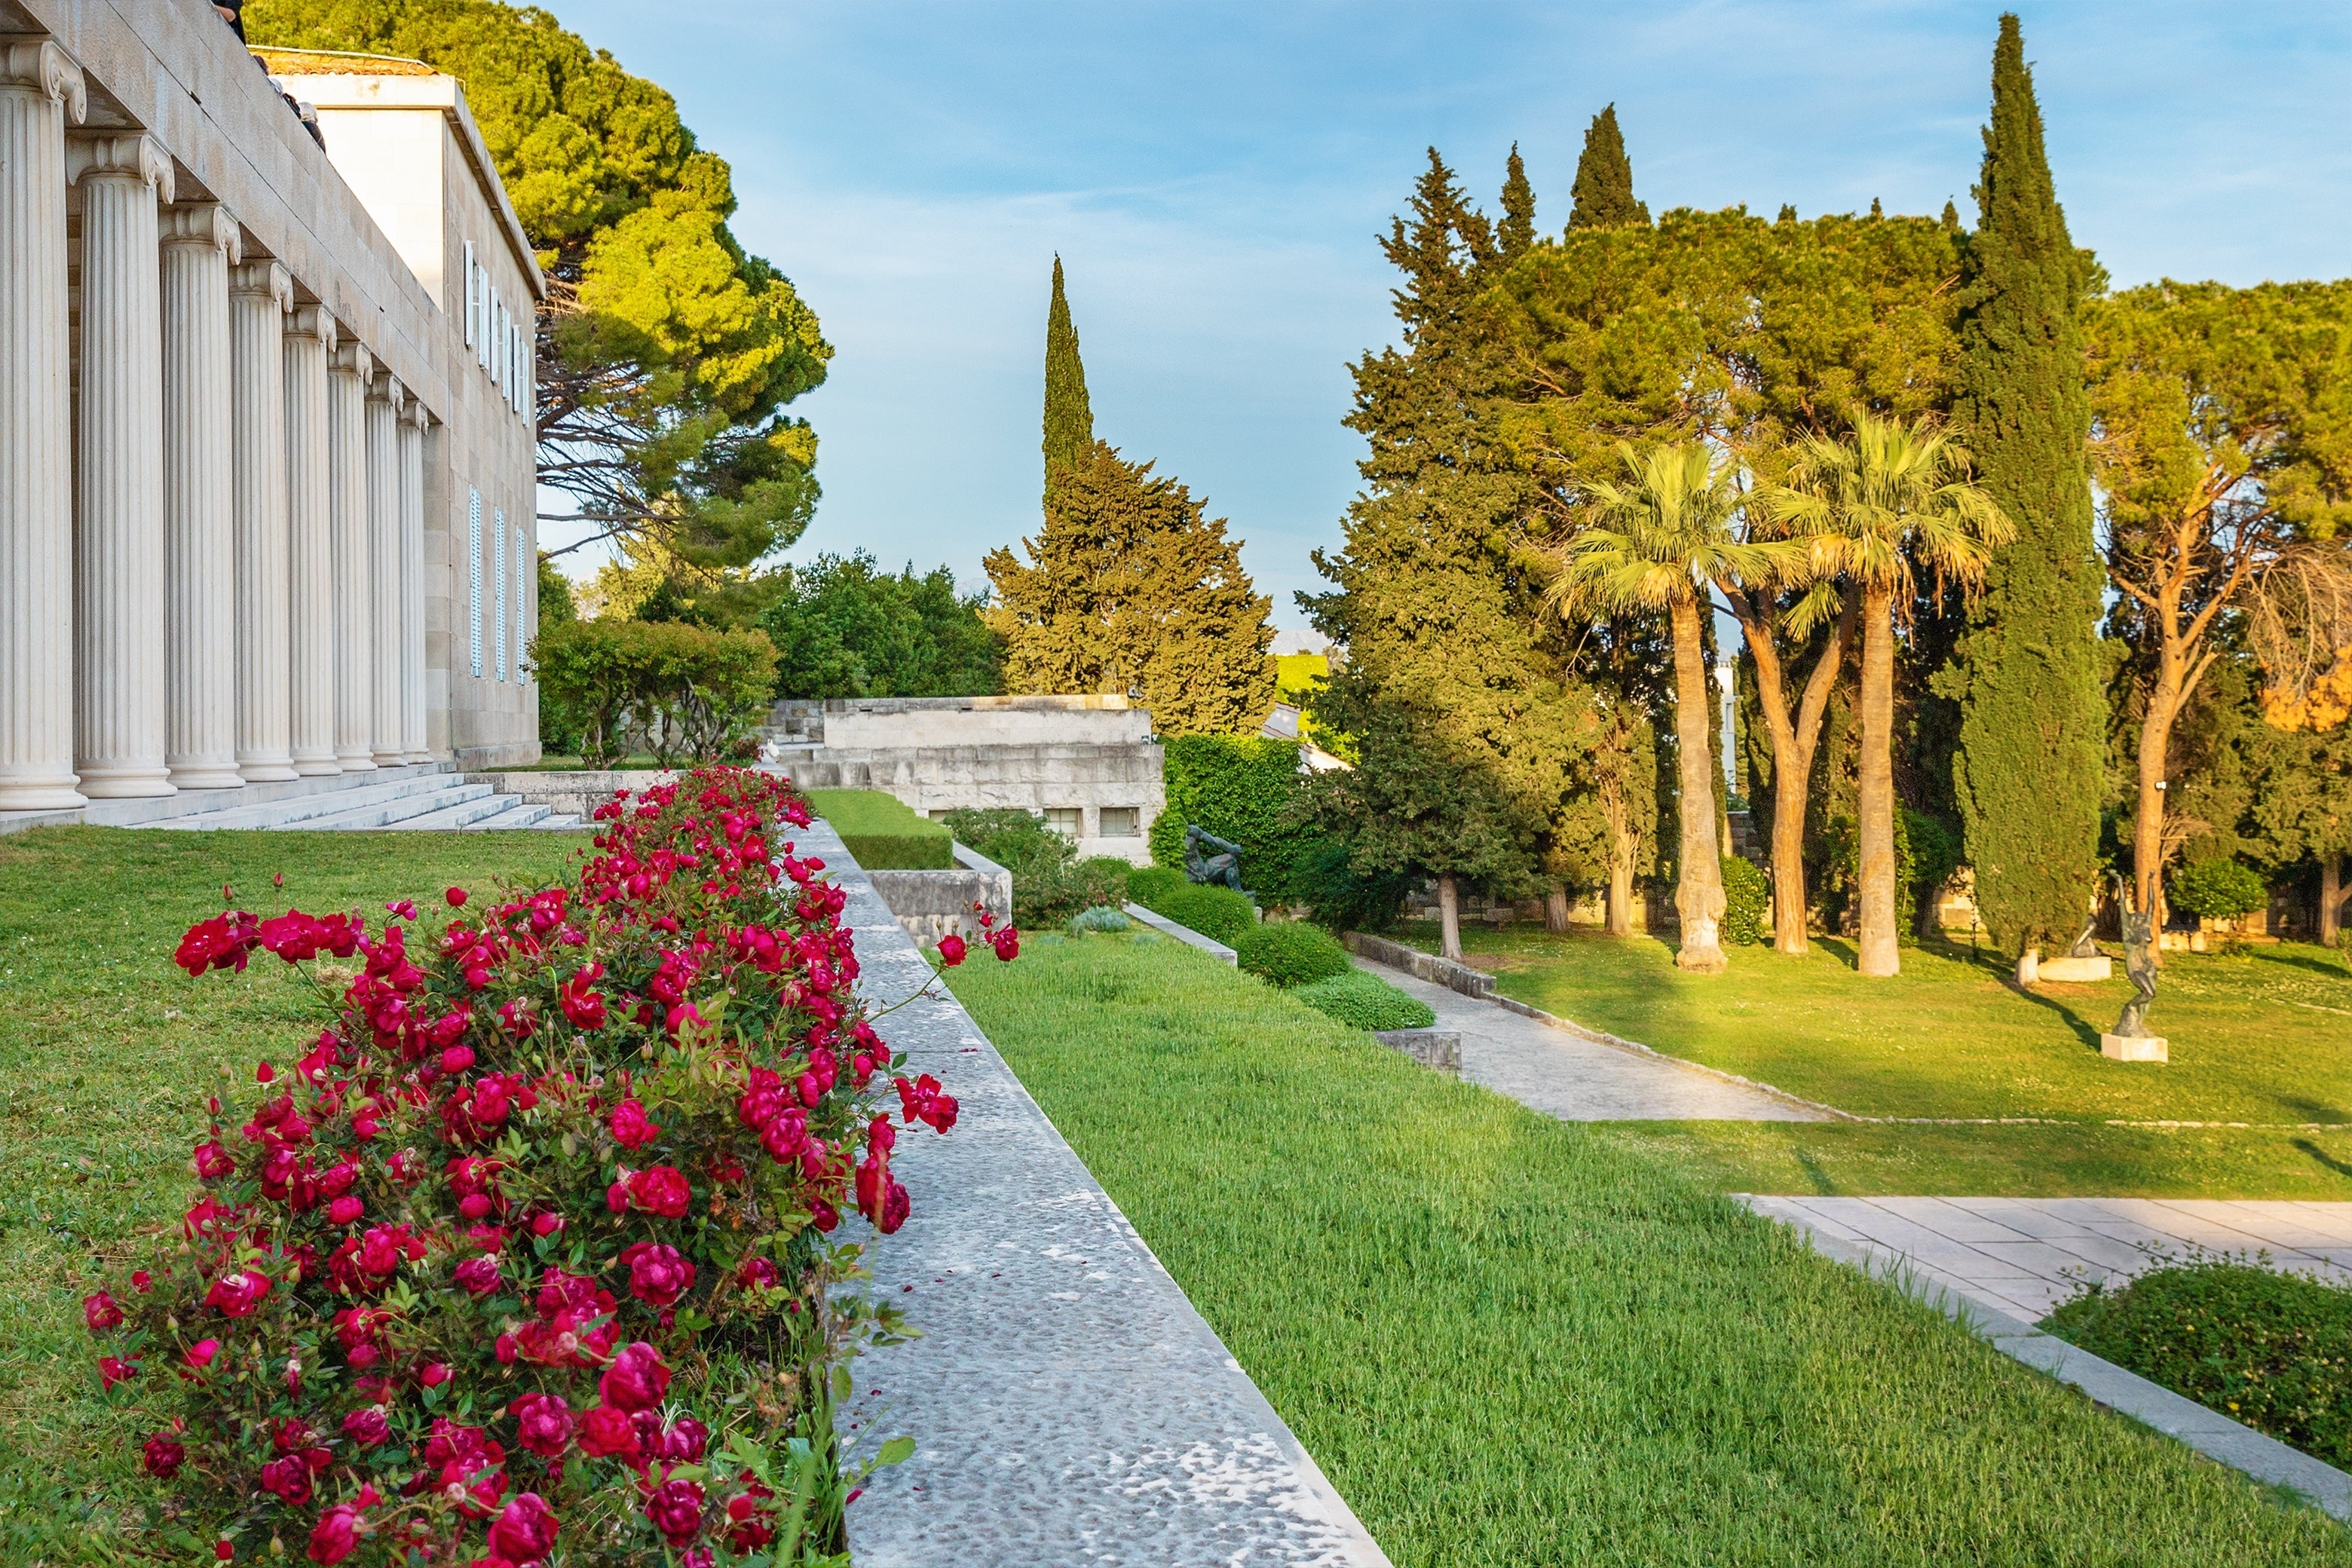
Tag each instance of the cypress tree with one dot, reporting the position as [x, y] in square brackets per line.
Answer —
[1603, 192]
[1517, 233]
[1070, 417]
[2028, 776]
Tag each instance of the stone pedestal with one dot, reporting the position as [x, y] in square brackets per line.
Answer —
[348, 375]
[41, 89]
[259, 296]
[2133, 1047]
[119, 723]
[200, 244]
[2078, 971]
[383, 408]
[309, 545]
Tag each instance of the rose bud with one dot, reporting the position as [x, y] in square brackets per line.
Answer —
[457, 899]
[434, 1374]
[163, 1456]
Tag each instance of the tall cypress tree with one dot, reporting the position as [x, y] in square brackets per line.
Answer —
[1517, 233]
[2028, 775]
[1603, 191]
[1070, 417]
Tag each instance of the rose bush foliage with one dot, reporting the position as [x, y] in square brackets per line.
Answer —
[529, 1256]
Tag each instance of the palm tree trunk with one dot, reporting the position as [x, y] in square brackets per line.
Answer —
[1449, 917]
[1880, 955]
[1699, 893]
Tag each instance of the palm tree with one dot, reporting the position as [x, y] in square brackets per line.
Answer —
[1869, 508]
[1657, 542]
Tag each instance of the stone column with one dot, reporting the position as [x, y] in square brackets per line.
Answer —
[310, 557]
[41, 89]
[414, 746]
[348, 372]
[200, 244]
[259, 296]
[383, 405]
[119, 707]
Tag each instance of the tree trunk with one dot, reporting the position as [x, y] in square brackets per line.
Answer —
[1699, 893]
[2029, 967]
[1449, 918]
[1618, 920]
[2155, 752]
[1556, 909]
[1880, 955]
[2331, 897]
[1792, 752]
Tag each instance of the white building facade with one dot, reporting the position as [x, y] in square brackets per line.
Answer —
[266, 456]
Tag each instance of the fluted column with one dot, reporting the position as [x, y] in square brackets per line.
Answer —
[260, 294]
[200, 244]
[310, 554]
[119, 707]
[413, 741]
[41, 89]
[348, 375]
[383, 405]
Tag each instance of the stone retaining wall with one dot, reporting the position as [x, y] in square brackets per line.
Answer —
[930, 904]
[1424, 965]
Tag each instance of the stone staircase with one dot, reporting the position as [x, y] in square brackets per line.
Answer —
[423, 798]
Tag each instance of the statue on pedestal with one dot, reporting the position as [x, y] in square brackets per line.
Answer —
[1220, 865]
[2130, 1040]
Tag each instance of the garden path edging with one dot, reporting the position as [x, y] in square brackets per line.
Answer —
[1185, 934]
[2209, 1432]
[1066, 1401]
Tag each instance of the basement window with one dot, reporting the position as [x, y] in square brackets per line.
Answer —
[1120, 822]
[1068, 821]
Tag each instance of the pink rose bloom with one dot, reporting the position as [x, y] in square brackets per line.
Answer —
[545, 1421]
[659, 1275]
[632, 1128]
[479, 1276]
[525, 1531]
[637, 1380]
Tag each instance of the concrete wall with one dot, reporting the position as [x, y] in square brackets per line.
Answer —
[930, 904]
[934, 721]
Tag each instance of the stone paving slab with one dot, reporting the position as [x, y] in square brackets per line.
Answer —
[1565, 1073]
[1068, 1405]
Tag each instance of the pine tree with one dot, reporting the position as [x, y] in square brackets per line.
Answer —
[1516, 235]
[1603, 192]
[2029, 777]
[1129, 588]
[1070, 417]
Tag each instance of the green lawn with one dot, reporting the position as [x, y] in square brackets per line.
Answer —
[2265, 1038]
[106, 1052]
[1513, 1341]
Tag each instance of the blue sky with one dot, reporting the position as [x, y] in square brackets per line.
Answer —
[1213, 176]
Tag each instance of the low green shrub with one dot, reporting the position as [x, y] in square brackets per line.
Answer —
[883, 832]
[680, 692]
[1050, 883]
[1219, 914]
[2272, 1351]
[1366, 1002]
[1746, 903]
[1099, 918]
[2218, 889]
[1290, 953]
[1147, 883]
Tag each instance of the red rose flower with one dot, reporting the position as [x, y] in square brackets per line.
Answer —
[237, 1295]
[545, 1422]
[345, 1210]
[606, 1433]
[288, 1478]
[434, 1373]
[661, 1190]
[99, 1313]
[637, 1380]
[684, 1440]
[757, 1274]
[659, 1275]
[163, 1456]
[952, 949]
[200, 1354]
[456, 897]
[525, 1531]
[1007, 943]
[631, 1128]
[213, 1160]
[675, 1509]
[112, 1370]
[367, 1427]
[337, 1534]
[479, 1276]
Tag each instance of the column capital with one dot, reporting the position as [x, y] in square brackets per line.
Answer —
[387, 389]
[43, 66]
[120, 155]
[265, 276]
[204, 223]
[350, 354]
[312, 322]
[418, 415]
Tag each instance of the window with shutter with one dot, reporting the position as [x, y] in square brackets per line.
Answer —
[474, 557]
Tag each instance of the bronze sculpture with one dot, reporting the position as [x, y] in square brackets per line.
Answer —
[1221, 865]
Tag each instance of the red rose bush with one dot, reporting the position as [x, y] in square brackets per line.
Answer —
[529, 1256]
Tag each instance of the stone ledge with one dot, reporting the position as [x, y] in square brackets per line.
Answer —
[1438, 1048]
[1184, 934]
[1422, 965]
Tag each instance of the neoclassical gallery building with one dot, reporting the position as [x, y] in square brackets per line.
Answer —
[266, 419]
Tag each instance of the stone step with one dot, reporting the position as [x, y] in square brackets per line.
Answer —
[483, 811]
[388, 812]
[319, 803]
[561, 822]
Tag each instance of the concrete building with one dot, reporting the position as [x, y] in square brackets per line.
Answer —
[1089, 763]
[266, 507]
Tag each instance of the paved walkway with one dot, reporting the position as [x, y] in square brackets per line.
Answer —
[1068, 1405]
[1564, 1073]
[2024, 1256]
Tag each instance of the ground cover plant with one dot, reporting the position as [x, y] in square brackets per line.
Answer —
[535, 1237]
[2271, 1350]
[1365, 1001]
[1529, 1344]
[1289, 952]
[882, 833]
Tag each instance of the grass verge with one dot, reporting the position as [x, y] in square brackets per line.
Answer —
[883, 832]
[106, 1052]
[1514, 1340]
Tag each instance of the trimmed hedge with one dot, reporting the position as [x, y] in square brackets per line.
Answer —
[2218, 889]
[677, 691]
[1747, 902]
[1146, 884]
[884, 833]
[1366, 1002]
[1244, 788]
[2274, 1351]
[1290, 953]
[1218, 913]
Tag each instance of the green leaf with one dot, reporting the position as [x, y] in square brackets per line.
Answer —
[897, 1451]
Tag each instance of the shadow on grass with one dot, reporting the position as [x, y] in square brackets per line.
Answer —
[2320, 1155]
[1823, 1183]
[2086, 1032]
[2330, 967]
